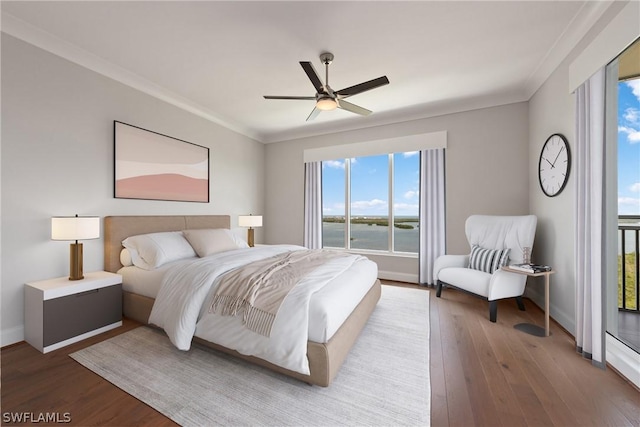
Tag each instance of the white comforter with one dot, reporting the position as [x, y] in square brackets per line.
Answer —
[181, 308]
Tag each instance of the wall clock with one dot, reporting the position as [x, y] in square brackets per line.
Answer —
[554, 165]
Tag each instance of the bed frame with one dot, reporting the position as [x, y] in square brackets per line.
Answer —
[325, 359]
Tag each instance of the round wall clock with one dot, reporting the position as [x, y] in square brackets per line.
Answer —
[554, 165]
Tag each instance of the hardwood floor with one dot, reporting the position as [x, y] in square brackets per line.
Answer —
[491, 374]
[482, 374]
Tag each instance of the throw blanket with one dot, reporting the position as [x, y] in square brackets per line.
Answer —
[259, 288]
[182, 306]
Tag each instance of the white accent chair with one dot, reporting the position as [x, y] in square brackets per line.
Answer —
[489, 232]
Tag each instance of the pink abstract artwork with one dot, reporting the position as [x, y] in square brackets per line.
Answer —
[152, 166]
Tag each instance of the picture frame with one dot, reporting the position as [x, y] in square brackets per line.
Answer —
[151, 166]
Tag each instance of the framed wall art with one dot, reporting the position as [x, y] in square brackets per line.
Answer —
[152, 166]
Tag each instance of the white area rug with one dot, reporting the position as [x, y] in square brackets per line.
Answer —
[383, 382]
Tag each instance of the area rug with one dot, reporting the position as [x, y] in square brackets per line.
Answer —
[384, 380]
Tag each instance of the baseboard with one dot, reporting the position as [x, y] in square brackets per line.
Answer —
[624, 360]
[555, 313]
[11, 336]
[398, 277]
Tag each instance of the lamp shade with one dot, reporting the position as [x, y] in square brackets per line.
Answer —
[250, 220]
[75, 227]
[326, 104]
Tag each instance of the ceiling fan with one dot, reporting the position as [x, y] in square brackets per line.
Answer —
[326, 98]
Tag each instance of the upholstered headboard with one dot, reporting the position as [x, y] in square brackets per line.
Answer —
[118, 228]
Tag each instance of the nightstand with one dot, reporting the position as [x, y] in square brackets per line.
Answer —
[59, 312]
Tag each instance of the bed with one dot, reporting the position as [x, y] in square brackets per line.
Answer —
[325, 358]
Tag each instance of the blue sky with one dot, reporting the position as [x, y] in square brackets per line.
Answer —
[629, 147]
[369, 175]
[370, 185]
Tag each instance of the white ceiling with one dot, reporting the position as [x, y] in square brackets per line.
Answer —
[217, 59]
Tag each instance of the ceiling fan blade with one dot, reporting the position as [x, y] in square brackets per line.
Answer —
[314, 114]
[313, 76]
[311, 98]
[363, 87]
[353, 108]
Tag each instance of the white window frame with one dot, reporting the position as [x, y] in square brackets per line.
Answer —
[390, 212]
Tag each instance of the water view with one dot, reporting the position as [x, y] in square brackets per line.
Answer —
[629, 227]
[372, 233]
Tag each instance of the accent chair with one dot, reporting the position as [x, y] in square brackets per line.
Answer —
[495, 241]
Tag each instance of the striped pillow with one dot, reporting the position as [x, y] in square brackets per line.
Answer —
[488, 260]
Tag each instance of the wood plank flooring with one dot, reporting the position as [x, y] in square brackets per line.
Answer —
[482, 374]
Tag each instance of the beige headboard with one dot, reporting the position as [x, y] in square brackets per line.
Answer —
[118, 228]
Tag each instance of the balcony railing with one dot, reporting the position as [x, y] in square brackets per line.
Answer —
[628, 262]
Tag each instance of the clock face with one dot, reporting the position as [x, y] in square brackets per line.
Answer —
[554, 165]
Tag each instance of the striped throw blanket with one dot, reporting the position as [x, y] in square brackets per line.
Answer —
[258, 289]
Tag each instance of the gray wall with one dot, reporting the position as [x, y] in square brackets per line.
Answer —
[486, 173]
[551, 110]
[57, 159]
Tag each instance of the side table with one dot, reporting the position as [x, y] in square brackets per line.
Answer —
[528, 327]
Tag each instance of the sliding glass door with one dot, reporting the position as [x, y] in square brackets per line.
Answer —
[623, 201]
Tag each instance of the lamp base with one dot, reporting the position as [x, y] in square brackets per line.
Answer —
[250, 237]
[75, 261]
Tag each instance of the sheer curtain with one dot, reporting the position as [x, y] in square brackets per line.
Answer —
[589, 236]
[313, 205]
[432, 212]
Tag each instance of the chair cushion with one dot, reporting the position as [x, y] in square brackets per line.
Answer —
[488, 260]
[474, 281]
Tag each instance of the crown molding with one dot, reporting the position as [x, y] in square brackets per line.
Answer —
[579, 26]
[55, 45]
[583, 21]
[420, 112]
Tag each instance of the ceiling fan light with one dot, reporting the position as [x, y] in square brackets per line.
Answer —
[326, 104]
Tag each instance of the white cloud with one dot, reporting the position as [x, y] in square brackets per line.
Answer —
[635, 187]
[410, 153]
[632, 115]
[374, 207]
[635, 87]
[628, 206]
[633, 135]
[405, 209]
[411, 194]
[333, 209]
[628, 201]
[368, 204]
[334, 164]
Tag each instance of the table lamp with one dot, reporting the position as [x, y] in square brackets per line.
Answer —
[250, 221]
[75, 228]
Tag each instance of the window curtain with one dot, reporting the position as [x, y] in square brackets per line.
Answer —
[432, 211]
[313, 205]
[589, 204]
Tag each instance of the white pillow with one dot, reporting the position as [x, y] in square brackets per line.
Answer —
[125, 258]
[150, 251]
[209, 241]
[237, 234]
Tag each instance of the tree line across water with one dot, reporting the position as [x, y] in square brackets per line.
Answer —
[378, 221]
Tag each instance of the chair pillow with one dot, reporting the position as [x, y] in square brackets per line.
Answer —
[488, 260]
[150, 251]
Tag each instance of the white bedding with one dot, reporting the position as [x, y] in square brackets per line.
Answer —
[182, 304]
[329, 307]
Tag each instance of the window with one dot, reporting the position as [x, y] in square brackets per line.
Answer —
[333, 205]
[361, 196]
